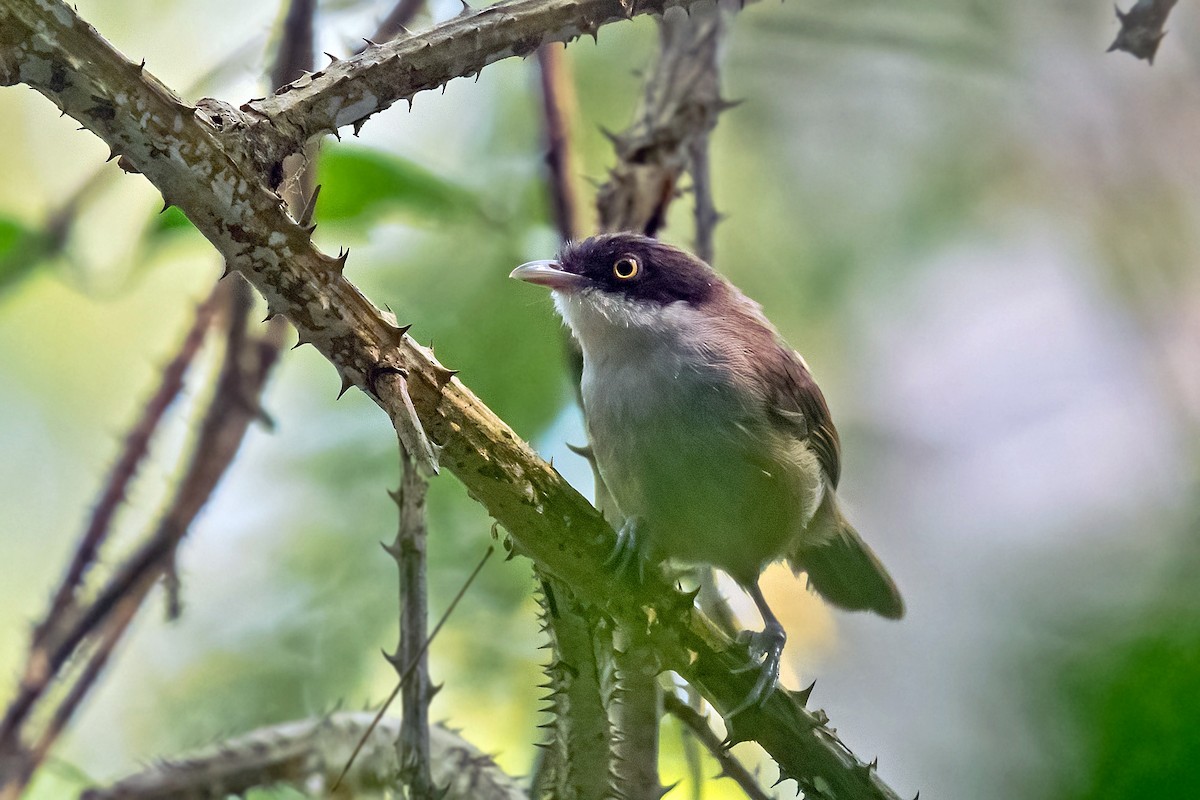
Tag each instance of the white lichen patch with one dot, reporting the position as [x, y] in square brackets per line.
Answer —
[264, 258]
[62, 14]
[35, 71]
[222, 186]
[357, 110]
[177, 125]
[46, 41]
[276, 239]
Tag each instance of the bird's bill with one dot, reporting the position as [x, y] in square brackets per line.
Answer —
[550, 273]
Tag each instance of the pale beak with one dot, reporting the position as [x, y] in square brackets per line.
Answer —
[550, 273]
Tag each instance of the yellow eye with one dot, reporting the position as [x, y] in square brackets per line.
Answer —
[626, 268]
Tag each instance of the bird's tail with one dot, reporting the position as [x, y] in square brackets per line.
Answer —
[842, 568]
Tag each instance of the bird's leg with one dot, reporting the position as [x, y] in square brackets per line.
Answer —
[766, 649]
[630, 549]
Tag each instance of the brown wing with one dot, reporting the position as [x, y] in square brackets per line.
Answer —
[796, 401]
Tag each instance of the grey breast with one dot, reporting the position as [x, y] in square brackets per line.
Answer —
[673, 446]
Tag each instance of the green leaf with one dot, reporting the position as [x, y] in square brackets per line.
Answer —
[167, 223]
[358, 184]
[21, 249]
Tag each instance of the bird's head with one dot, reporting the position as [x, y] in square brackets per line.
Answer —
[623, 268]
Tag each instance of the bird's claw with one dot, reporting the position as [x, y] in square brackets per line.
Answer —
[628, 551]
[766, 650]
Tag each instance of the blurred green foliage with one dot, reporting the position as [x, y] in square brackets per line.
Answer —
[21, 250]
[1138, 705]
[359, 184]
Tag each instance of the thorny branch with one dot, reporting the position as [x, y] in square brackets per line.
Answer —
[680, 105]
[1142, 28]
[412, 746]
[43, 44]
[346, 93]
[137, 443]
[229, 416]
[307, 756]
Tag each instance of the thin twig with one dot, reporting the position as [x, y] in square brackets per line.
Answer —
[412, 745]
[116, 625]
[137, 443]
[578, 759]
[560, 110]
[730, 766]
[704, 212]
[404, 676]
[225, 424]
[295, 56]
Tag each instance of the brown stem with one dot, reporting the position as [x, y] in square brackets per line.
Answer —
[560, 109]
[137, 442]
[704, 211]
[224, 426]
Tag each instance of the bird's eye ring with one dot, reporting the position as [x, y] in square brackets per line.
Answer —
[626, 267]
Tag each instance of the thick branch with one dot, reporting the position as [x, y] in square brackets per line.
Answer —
[308, 755]
[43, 44]
[349, 91]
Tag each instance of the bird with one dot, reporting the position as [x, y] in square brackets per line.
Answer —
[708, 430]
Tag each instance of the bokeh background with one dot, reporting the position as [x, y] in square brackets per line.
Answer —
[980, 229]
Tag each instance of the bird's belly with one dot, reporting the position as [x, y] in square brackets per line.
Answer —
[701, 487]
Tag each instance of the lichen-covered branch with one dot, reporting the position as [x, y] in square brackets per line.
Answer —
[1142, 28]
[308, 755]
[45, 45]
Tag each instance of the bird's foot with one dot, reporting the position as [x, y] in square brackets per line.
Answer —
[630, 552]
[766, 650]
